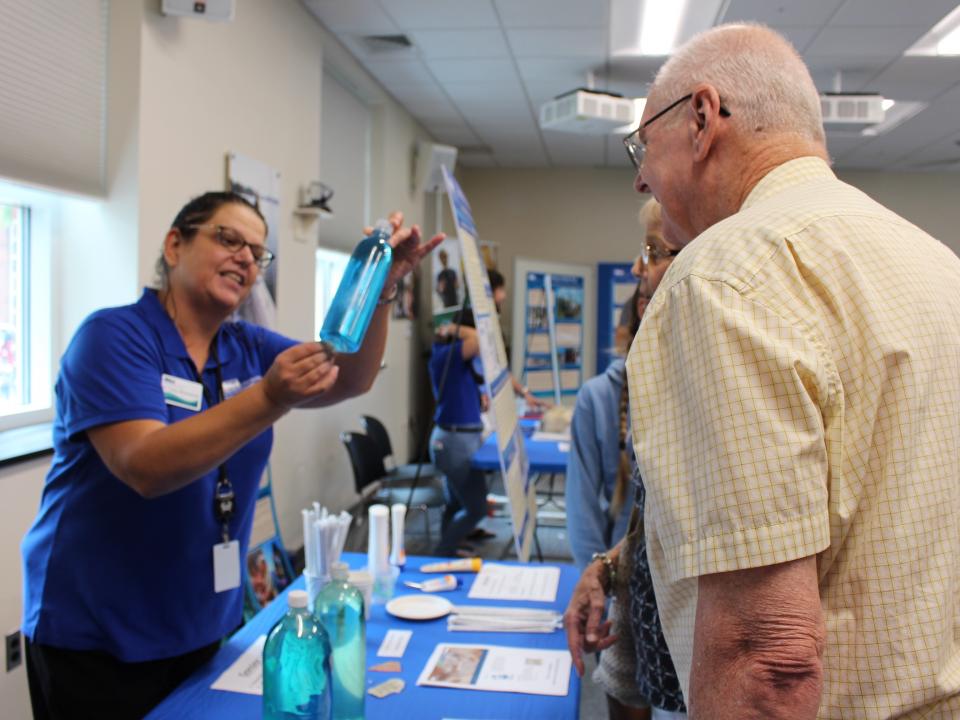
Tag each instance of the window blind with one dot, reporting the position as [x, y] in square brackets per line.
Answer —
[53, 57]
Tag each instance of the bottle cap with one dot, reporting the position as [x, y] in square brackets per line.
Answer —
[297, 598]
[339, 571]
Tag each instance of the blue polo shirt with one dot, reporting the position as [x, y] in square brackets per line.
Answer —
[460, 404]
[104, 568]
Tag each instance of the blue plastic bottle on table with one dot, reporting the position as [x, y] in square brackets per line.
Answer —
[339, 606]
[352, 308]
[296, 666]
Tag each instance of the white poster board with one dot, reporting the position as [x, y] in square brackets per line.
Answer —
[514, 466]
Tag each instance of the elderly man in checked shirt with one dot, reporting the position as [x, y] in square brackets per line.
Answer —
[799, 371]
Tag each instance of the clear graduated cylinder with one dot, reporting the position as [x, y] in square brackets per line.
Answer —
[352, 308]
[296, 666]
[339, 606]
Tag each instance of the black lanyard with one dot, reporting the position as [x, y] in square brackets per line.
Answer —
[223, 497]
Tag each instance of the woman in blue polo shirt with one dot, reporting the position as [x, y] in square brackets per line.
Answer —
[162, 432]
[458, 432]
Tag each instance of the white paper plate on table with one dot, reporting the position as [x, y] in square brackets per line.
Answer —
[419, 607]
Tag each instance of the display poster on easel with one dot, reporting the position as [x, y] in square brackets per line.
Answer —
[514, 465]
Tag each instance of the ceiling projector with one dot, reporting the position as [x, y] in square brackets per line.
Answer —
[588, 112]
[851, 111]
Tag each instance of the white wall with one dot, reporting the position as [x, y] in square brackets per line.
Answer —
[590, 215]
[183, 93]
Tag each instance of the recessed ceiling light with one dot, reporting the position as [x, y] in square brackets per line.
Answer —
[943, 38]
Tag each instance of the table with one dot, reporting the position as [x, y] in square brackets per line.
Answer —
[545, 456]
[195, 699]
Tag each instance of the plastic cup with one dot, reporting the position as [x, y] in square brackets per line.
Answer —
[363, 581]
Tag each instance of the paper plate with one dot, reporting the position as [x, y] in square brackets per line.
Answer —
[419, 607]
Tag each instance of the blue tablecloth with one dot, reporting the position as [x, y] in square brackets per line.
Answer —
[545, 455]
[195, 699]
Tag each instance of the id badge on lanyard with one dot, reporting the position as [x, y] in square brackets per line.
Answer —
[226, 554]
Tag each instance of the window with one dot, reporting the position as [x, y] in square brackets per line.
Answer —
[331, 265]
[14, 279]
[25, 304]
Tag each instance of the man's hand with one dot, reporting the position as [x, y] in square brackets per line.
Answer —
[582, 620]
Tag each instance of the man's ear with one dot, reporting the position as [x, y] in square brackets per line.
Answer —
[705, 106]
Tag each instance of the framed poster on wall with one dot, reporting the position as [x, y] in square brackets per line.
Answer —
[552, 341]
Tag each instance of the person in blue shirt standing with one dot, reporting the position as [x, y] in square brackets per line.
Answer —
[635, 672]
[458, 432]
[162, 432]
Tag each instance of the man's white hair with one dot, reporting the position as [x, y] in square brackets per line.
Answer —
[760, 77]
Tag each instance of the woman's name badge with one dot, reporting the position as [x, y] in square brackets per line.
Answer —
[226, 566]
[181, 392]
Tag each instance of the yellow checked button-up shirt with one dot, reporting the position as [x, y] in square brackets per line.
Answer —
[799, 375]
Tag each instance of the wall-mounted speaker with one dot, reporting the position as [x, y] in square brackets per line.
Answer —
[428, 159]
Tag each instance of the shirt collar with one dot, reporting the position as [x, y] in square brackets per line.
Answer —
[156, 316]
[793, 172]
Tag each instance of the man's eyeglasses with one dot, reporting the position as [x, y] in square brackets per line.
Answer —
[235, 242]
[636, 148]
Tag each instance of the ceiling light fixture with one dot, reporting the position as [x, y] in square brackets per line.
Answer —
[943, 38]
[655, 28]
[659, 26]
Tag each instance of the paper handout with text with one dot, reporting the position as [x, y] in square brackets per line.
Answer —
[535, 583]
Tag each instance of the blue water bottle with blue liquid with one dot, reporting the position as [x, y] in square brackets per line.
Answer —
[297, 684]
[352, 308]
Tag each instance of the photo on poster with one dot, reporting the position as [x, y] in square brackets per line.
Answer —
[569, 303]
[405, 306]
[266, 573]
[447, 276]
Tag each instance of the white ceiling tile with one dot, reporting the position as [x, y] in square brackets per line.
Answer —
[485, 43]
[560, 42]
[799, 36]
[840, 144]
[569, 149]
[782, 12]
[853, 41]
[358, 16]
[452, 134]
[453, 72]
[934, 155]
[434, 112]
[425, 14]
[524, 158]
[553, 13]
[476, 160]
[892, 12]
[399, 72]
[918, 78]
[855, 72]
[413, 95]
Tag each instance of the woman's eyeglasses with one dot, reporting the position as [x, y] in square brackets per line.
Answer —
[235, 242]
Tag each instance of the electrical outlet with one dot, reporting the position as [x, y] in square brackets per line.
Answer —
[14, 651]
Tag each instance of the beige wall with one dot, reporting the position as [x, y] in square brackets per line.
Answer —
[183, 93]
[590, 215]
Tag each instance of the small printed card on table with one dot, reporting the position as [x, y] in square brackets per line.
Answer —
[537, 583]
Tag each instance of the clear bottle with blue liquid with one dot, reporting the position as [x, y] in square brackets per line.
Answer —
[352, 308]
[339, 606]
[296, 666]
